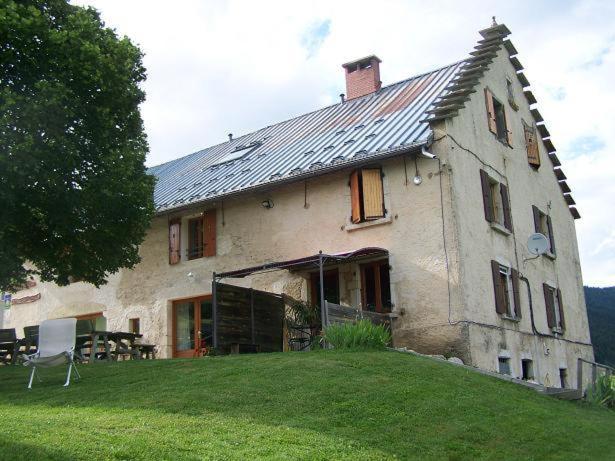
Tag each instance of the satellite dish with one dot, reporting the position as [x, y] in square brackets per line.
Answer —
[537, 244]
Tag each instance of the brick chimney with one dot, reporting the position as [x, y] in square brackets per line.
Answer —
[362, 76]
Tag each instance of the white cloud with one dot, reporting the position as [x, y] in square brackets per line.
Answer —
[218, 67]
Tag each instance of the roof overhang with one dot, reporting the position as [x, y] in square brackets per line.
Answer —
[307, 262]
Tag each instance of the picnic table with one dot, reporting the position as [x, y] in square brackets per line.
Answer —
[115, 344]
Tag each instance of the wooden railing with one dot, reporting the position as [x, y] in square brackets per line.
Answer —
[594, 374]
[345, 314]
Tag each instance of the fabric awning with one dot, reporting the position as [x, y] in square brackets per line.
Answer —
[306, 262]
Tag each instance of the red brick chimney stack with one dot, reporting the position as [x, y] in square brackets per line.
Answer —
[362, 77]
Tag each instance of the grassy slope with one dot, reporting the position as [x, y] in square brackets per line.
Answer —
[321, 405]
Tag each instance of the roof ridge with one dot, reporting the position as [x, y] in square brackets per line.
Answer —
[352, 101]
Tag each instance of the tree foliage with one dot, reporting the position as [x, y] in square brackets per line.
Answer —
[601, 315]
[75, 198]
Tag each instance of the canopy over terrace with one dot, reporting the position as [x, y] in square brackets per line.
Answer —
[318, 260]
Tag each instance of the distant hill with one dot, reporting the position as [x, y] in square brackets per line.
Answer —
[601, 313]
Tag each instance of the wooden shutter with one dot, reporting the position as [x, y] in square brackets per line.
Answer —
[498, 288]
[373, 194]
[209, 219]
[490, 112]
[174, 241]
[487, 199]
[355, 197]
[536, 213]
[531, 145]
[561, 309]
[550, 229]
[507, 126]
[516, 298]
[506, 207]
[550, 307]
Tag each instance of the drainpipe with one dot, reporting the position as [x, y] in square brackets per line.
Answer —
[214, 309]
[323, 314]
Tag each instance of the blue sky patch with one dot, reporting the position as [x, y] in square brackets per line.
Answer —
[314, 37]
[586, 145]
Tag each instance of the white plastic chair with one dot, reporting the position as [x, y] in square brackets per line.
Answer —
[56, 346]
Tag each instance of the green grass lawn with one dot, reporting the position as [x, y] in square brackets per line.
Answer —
[320, 405]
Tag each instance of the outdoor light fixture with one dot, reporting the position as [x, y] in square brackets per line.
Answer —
[418, 179]
[267, 203]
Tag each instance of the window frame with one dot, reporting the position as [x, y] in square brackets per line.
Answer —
[378, 286]
[358, 199]
[544, 225]
[554, 308]
[497, 121]
[506, 291]
[496, 197]
[195, 251]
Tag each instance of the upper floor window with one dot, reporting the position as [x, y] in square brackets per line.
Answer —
[543, 225]
[496, 202]
[531, 144]
[496, 116]
[506, 288]
[366, 195]
[201, 237]
[554, 308]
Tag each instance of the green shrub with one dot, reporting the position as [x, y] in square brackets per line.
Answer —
[361, 335]
[604, 392]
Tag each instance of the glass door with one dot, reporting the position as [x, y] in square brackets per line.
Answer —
[192, 326]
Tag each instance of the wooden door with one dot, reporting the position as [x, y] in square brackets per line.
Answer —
[192, 326]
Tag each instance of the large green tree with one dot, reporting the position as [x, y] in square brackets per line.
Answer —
[75, 197]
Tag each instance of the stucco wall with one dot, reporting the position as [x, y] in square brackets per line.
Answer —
[298, 225]
[479, 243]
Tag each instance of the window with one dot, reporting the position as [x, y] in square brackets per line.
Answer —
[332, 287]
[496, 201]
[531, 144]
[504, 365]
[376, 287]
[134, 326]
[543, 225]
[237, 153]
[174, 241]
[563, 378]
[195, 238]
[527, 369]
[554, 308]
[366, 195]
[506, 289]
[496, 116]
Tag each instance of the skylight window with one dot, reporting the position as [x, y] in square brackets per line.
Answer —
[238, 153]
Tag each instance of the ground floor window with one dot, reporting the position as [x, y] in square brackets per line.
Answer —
[504, 365]
[134, 326]
[563, 377]
[527, 369]
[192, 326]
[332, 287]
[376, 287]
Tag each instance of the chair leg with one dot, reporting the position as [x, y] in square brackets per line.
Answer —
[76, 371]
[31, 377]
[70, 368]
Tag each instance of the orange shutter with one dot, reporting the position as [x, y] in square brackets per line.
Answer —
[174, 241]
[373, 194]
[531, 145]
[209, 218]
[490, 111]
[355, 197]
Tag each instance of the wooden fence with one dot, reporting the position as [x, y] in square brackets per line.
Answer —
[344, 314]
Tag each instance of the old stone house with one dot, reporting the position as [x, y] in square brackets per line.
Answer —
[432, 185]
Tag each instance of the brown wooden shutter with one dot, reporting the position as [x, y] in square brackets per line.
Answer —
[506, 207]
[531, 145]
[550, 307]
[355, 197]
[490, 112]
[487, 200]
[373, 194]
[561, 309]
[174, 241]
[508, 129]
[498, 288]
[516, 298]
[536, 213]
[209, 219]
[551, 238]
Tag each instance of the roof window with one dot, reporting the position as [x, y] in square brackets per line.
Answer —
[239, 152]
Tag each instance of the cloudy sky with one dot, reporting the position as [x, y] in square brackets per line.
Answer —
[218, 67]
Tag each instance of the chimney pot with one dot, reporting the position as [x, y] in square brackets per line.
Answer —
[230, 136]
[362, 76]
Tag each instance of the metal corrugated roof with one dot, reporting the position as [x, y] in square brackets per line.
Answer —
[386, 121]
